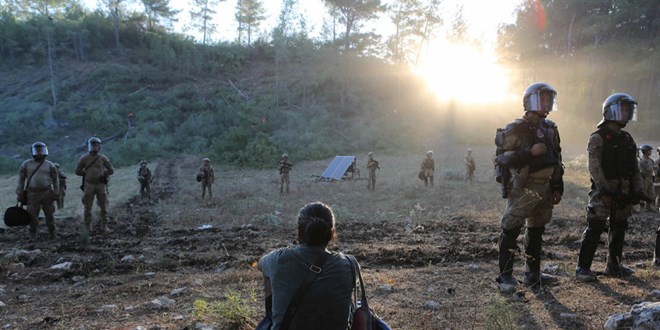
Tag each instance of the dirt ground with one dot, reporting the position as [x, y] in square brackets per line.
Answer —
[428, 253]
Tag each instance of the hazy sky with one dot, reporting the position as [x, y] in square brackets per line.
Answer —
[483, 16]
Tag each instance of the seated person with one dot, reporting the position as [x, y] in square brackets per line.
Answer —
[327, 302]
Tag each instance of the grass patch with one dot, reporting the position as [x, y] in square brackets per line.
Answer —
[234, 311]
[500, 315]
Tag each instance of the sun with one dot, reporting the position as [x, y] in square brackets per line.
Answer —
[464, 73]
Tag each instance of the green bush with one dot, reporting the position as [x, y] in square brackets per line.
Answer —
[9, 165]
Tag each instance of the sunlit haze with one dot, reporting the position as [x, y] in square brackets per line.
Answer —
[458, 72]
[463, 73]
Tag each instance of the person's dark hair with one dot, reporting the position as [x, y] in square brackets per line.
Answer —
[316, 224]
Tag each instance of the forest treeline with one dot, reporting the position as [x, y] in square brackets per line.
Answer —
[121, 73]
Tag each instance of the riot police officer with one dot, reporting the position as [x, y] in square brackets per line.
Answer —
[206, 176]
[428, 167]
[284, 167]
[647, 169]
[615, 186]
[531, 155]
[95, 170]
[38, 187]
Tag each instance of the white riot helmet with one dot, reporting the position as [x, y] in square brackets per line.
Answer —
[619, 107]
[39, 149]
[540, 97]
[91, 142]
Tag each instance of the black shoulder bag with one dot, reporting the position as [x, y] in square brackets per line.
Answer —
[362, 316]
[17, 215]
[314, 270]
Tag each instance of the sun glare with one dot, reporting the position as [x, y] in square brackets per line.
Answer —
[464, 73]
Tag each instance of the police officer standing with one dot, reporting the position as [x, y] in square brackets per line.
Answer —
[428, 168]
[284, 167]
[206, 176]
[469, 166]
[615, 186]
[656, 188]
[95, 169]
[62, 176]
[372, 166]
[145, 178]
[532, 155]
[647, 169]
[40, 190]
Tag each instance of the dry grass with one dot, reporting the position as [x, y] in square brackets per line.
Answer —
[429, 243]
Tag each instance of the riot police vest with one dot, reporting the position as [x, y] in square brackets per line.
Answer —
[619, 152]
[545, 133]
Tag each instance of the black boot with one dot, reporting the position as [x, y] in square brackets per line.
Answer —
[590, 239]
[614, 257]
[533, 247]
[508, 249]
[51, 231]
[656, 254]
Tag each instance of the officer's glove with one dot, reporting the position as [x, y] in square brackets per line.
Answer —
[556, 197]
[606, 196]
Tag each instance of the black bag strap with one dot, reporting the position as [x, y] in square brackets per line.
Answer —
[314, 270]
[355, 266]
[92, 163]
[88, 166]
[31, 175]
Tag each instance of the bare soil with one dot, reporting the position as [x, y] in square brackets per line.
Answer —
[428, 253]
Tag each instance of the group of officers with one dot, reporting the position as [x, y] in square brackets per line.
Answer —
[41, 183]
[426, 173]
[529, 164]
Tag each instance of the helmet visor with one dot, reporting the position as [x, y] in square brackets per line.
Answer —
[543, 100]
[622, 111]
[39, 150]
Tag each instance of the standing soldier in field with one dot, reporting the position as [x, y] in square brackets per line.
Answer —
[656, 253]
[284, 167]
[529, 152]
[62, 177]
[206, 176]
[372, 166]
[647, 169]
[145, 178]
[428, 167]
[38, 186]
[656, 183]
[469, 166]
[616, 185]
[95, 170]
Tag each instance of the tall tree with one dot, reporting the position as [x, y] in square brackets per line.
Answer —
[115, 8]
[249, 15]
[353, 14]
[459, 27]
[202, 17]
[415, 22]
[159, 11]
[280, 36]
